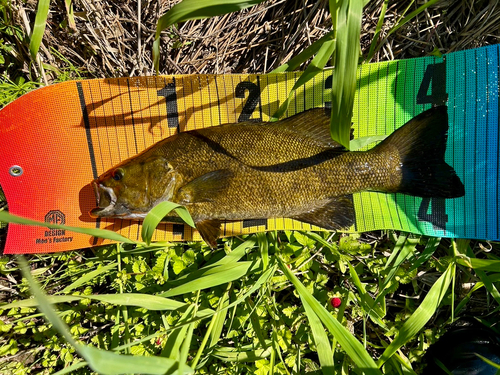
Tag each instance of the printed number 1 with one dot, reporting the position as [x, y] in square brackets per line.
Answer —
[435, 79]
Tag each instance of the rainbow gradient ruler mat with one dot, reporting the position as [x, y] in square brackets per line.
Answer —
[55, 140]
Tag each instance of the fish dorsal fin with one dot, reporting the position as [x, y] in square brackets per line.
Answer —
[209, 231]
[205, 187]
[314, 124]
[338, 213]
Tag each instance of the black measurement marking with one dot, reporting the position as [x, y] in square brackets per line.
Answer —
[252, 101]
[254, 223]
[435, 80]
[170, 95]
[178, 230]
[328, 86]
[437, 215]
[90, 145]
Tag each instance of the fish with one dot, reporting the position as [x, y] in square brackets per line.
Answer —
[290, 168]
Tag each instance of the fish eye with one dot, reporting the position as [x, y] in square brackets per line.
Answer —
[117, 174]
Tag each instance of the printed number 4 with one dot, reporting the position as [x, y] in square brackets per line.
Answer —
[435, 79]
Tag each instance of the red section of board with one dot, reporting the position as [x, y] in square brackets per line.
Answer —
[43, 133]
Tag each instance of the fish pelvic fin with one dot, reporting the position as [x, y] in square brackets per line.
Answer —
[210, 231]
[337, 214]
[421, 145]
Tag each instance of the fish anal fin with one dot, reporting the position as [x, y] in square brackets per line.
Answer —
[338, 213]
[210, 231]
[204, 188]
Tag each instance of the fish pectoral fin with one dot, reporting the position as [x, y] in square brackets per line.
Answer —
[205, 187]
[209, 231]
[338, 213]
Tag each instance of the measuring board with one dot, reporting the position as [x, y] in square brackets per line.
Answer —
[63, 136]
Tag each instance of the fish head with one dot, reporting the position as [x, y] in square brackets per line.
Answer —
[131, 189]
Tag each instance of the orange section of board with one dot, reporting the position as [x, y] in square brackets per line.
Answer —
[63, 136]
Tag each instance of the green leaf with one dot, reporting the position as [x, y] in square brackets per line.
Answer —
[192, 10]
[346, 63]
[156, 215]
[42, 12]
[102, 233]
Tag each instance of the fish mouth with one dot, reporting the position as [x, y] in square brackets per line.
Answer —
[107, 205]
[106, 201]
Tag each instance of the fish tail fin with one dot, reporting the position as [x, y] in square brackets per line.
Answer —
[421, 144]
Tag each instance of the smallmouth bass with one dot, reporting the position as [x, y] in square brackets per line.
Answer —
[290, 168]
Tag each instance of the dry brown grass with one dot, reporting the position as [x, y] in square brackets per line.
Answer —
[114, 37]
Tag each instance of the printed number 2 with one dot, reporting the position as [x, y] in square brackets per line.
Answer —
[252, 101]
[435, 79]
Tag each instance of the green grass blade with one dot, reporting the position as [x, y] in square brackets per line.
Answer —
[407, 249]
[347, 341]
[219, 276]
[192, 10]
[480, 264]
[235, 255]
[421, 315]
[323, 346]
[305, 55]
[106, 362]
[346, 63]
[430, 248]
[70, 13]
[87, 277]
[397, 248]
[214, 330]
[315, 67]
[402, 22]
[366, 301]
[95, 232]
[71, 369]
[316, 237]
[42, 11]
[488, 361]
[146, 301]
[157, 214]
[378, 28]
[264, 248]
